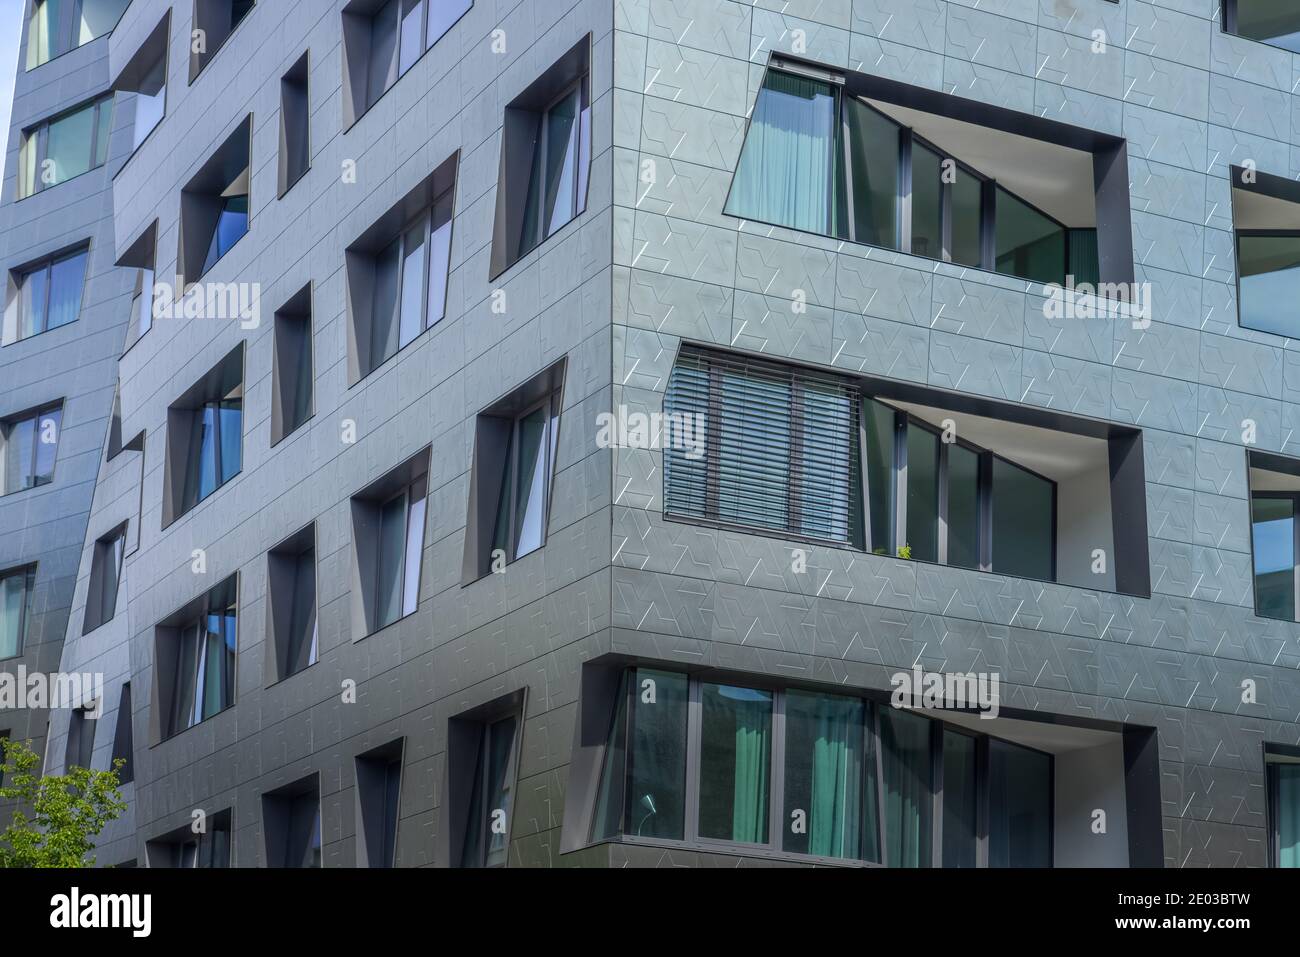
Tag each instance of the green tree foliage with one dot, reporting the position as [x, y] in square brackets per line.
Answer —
[67, 812]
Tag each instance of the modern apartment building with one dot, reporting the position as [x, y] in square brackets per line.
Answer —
[644, 432]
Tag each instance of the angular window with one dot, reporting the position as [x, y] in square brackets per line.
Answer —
[1275, 534]
[909, 786]
[1275, 22]
[859, 158]
[144, 81]
[105, 579]
[291, 824]
[516, 444]
[185, 847]
[295, 124]
[81, 739]
[29, 444]
[215, 207]
[214, 22]
[735, 759]
[1266, 220]
[46, 295]
[1282, 779]
[545, 159]
[195, 652]
[487, 839]
[397, 273]
[763, 446]
[65, 147]
[58, 26]
[291, 604]
[293, 370]
[388, 521]
[379, 788]
[205, 437]
[383, 39]
[124, 738]
[17, 591]
[141, 256]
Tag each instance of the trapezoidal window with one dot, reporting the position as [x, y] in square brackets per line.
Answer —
[46, 294]
[215, 206]
[194, 661]
[388, 525]
[205, 434]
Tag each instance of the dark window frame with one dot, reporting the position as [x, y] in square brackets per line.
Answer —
[296, 81]
[25, 613]
[185, 849]
[1237, 235]
[8, 422]
[469, 738]
[510, 480]
[293, 549]
[872, 756]
[199, 61]
[541, 151]
[1294, 499]
[41, 130]
[67, 30]
[46, 265]
[101, 563]
[1275, 755]
[1228, 25]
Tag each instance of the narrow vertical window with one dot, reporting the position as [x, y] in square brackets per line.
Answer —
[17, 588]
[960, 826]
[295, 125]
[1273, 533]
[1020, 806]
[828, 812]
[293, 369]
[486, 843]
[909, 801]
[735, 763]
[1024, 523]
[29, 445]
[105, 579]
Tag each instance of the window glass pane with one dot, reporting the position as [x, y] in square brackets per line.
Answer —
[1286, 815]
[33, 297]
[829, 494]
[966, 218]
[787, 165]
[1020, 806]
[67, 278]
[1273, 535]
[43, 40]
[963, 507]
[150, 102]
[412, 39]
[959, 826]
[187, 658]
[909, 803]
[27, 164]
[302, 624]
[392, 548]
[530, 508]
[144, 303]
[414, 549]
[656, 791]
[561, 161]
[608, 819]
[19, 455]
[98, 17]
[823, 774]
[443, 14]
[1268, 283]
[48, 425]
[735, 745]
[439, 259]
[754, 458]
[383, 318]
[927, 207]
[1271, 21]
[381, 69]
[231, 426]
[922, 493]
[14, 603]
[104, 119]
[232, 224]
[1024, 523]
[873, 159]
[412, 305]
[69, 149]
[1029, 245]
[501, 530]
[880, 475]
[501, 741]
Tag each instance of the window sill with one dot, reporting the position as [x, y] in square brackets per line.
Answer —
[71, 179]
[176, 734]
[43, 332]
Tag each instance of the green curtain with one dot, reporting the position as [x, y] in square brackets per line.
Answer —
[905, 739]
[1288, 814]
[835, 815]
[1084, 265]
[786, 170]
[749, 808]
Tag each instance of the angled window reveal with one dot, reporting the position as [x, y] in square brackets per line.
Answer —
[874, 161]
[65, 146]
[143, 81]
[209, 846]
[141, 256]
[17, 594]
[58, 26]
[1275, 534]
[81, 739]
[215, 206]
[383, 39]
[29, 445]
[46, 294]
[205, 437]
[1282, 780]
[388, 525]
[904, 470]
[105, 579]
[293, 371]
[124, 738]
[397, 273]
[194, 661]
[295, 124]
[379, 788]
[516, 446]
[482, 761]
[1275, 22]
[1266, 222]
[291, 824]
[545, 159]
[214, 21]
[291, 604]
